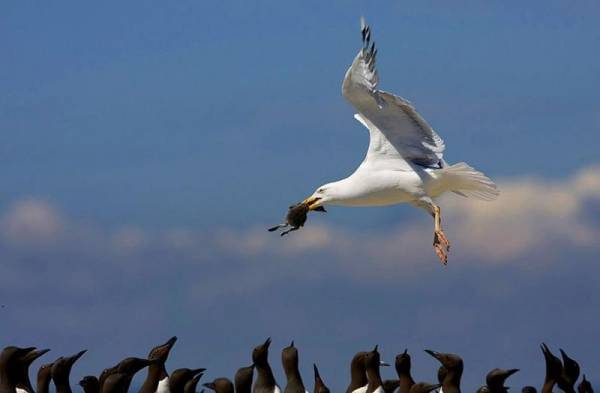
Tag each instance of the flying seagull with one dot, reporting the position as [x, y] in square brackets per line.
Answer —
[404, 161]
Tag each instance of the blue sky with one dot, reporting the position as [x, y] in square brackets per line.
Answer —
[145, 146]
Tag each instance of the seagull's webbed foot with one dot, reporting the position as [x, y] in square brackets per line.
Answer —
[292, 229]
[441, 246]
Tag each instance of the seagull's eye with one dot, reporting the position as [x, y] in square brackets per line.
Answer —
[321, 190]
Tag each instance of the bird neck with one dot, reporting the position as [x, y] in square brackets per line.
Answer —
[548, 386]
[43, 385]
[406, 381]
[373, 378]
[156, 373]
[265, 375]
[358, 375]
[451, 382]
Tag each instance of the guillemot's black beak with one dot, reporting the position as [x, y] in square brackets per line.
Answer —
[267, 342]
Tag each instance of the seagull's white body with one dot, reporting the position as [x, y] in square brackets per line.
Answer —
[404, 161]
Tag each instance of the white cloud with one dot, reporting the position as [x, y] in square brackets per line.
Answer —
[32, 222]
[531, 217]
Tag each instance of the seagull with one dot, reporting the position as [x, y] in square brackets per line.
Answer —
[404, 162]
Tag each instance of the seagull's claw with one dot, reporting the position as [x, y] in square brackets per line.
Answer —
[441, 245]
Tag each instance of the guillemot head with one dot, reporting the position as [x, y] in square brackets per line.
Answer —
[220, 385]
[553, 364]
[162, 351]
[260, 354]
[90, 384]
[63, 365]
[402, 363]
[569, 374]
[450, 361]
[190, 386]
[289, 358]
[495, 379]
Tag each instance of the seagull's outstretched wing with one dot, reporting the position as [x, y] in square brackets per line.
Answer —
[395, 126]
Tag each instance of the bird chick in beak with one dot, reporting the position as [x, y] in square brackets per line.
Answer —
[297, 215]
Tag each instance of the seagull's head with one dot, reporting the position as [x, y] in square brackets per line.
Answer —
[322, 196]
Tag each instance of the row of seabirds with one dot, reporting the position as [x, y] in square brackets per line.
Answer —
[365, 374]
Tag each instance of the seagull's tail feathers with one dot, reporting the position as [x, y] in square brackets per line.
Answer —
[464, 180]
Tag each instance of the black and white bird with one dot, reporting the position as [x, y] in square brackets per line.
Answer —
[157, 380]
[61, 370]
[44, 376]
[585, 386]
[190, 386]
[453, 369]
[181, 376]
[220, 385]
[553, 369]
[289, 361]
[358, 373]
[265, 380]
[11, 360]
[372, 364]
[242, 380]
[402, 365]
[569, 375]
[320, 386]
[23, 381]
[90, 384]
[119, 381]
[496, 378]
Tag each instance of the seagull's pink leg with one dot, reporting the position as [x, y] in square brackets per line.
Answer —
[441, 245]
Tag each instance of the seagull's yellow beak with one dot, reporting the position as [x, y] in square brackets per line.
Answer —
[312, 202]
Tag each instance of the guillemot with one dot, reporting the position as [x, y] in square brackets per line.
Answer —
[243, 379]
[24, 362]
[90, 384]
[61, 369]
[403, 365]
[358, 373]
[180, 377]
[10, 367]
[453, 366]
[553, 369]
[495, 379]
[569, 375]
[372, 364]
[265, 381]
[289, 360]
[190, 386]
[585, 386]
[157, 380]
[320, 386]
[44, 375]
[107, 372]
[119, 381]
[220, 385]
